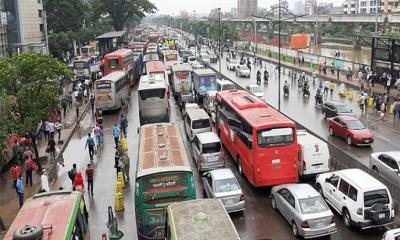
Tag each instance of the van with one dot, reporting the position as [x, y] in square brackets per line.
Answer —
[362, 200]
[313, 155]
[223, 85]
[207, 151]
[196, 121]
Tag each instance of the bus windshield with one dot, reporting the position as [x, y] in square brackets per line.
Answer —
[152, 93]
[113, 62]
[275, 137]
[79, 65]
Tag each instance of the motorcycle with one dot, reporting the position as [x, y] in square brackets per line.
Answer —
[306, 91]
[265, 79]
[318, 99]
[286, 90]
[258, 80]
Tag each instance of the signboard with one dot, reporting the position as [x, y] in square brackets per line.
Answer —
[382, 54]
[3, 18]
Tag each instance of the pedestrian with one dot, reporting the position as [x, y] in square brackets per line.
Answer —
[92, 103]
[64, 105]
[46, 130]
[58, 127]
[388, 83]
[69, 98]
[338, 73]
[116, 134]
[98, 133]
[44, 180]
[360, 75]
[397, 110]
[363, 102]
[325, 68]
[302, 60]
[122, 124]
[15, 171]
[326, 87]
[79, 183]
[333, 69]
[382, 112]
[77, 105]
[90, 143]
[72, 175]
[89, 178]
[125, 165]
[116, 161]
[52, 149]
[20, 190]
[30, 166]
[377, 102]
[331, 87]
[51, 130]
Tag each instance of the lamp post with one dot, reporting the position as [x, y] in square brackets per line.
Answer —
[219, 38]
[255, 37]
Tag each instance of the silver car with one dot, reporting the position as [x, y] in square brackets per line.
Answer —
[242, 71]
[256, 90]
[386, 164]
[222, 184]
[304, 208]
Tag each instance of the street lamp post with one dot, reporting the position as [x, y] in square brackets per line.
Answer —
[279, 56]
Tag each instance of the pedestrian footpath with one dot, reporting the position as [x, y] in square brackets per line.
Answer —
[9, 205]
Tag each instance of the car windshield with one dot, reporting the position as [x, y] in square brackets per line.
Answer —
[376, 196]
[243, 67]
[355, 125]
[254, 89]
[343, 109]
[227, 87]
[234, 62]
[201, 123]
[226, 185]
[212, 147]
[312, 205]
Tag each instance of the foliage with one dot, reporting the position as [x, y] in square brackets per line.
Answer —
[122, 11]
[64, 15]
[59, 43]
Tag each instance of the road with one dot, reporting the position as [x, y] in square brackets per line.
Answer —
[304, 111]
[258, 221]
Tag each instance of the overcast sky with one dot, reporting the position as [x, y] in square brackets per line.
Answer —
[204, 6]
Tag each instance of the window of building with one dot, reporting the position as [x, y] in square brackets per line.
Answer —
[41, 26]
[363, 10]
[40, 13]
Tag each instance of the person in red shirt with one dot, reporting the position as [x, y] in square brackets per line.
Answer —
[15, 173]
[89, 178]
[79, 184]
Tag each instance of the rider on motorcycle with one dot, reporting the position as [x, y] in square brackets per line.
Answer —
[286, 87]
[318, 96]
[266, 75]
[258, 76]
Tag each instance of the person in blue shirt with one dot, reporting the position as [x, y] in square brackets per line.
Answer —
[90, 143]
[20, 190]
[116, 134]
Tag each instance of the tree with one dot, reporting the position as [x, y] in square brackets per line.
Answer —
[29, 84]
[64, 15]
[122, 11]
[59, 44]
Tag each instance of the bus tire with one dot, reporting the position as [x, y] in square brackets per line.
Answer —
[240, 169]
[29, 232]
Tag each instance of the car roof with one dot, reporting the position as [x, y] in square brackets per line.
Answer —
[347, 117]
[361, 179]
[302, 190]
[335, 103]
[208, 137]
[393, 154]
[222, 173]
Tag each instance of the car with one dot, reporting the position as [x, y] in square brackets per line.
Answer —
[213, 57]
[361, 199]
[334, 108]
[205, 58]
[223, 85]
[232, 64]
[207, 151]
[255, 90]
[393, 234]
[222, 184]
[196, 65]
[242, 71]
[304, 208]
[351, 129]
[386, 164]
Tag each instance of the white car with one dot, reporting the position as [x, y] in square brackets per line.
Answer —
[232, 64]
[242, 71]
[386, 164]
[205, 58]
[255, 90]
[393, 234]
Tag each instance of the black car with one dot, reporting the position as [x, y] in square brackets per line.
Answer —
[334, 108]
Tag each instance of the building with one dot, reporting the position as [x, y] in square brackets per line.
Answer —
[350, 7]
[3, 30]
[27, 28]
[247, 8]
[234, 12]
[337, 10]
[323, 8]
[299, 7]
[309, 6]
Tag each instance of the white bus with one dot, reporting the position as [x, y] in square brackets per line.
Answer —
[170, 59]
[112, 91]
[153, 100]
[181, 78]
[81, 67]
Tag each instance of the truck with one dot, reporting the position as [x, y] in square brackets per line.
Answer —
[313, 155]
[204, 80]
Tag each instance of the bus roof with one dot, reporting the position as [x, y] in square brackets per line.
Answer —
[120, 52]
[206, 219]
[155, 67]
[47, 209]
[252, 109]
[113, 76]
[161, 149]
[181, 68]
[203, 72]
[153, 82]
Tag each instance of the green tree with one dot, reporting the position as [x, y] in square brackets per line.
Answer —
[65, 15]
[59, 44]
[29, 84]
[122, 11]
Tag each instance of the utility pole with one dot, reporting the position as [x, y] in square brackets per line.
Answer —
[255, 37]
[219, 38]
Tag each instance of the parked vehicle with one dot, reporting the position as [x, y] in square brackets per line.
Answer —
[213, 57]
[333, 108]
[361, 199]
[393, 234]
[223, 85]
[222, 184]
[351, 129]
[207, 151]
[304, 208]
[204, 80]
[386, 164]
[242, 71]
[256, 90]
[196, 121]
[313, 154]
[205, 58]
[181, 78]
[232, 64]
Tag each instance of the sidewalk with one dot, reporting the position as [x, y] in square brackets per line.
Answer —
[9, 205]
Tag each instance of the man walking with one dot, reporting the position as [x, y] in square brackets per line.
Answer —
[72, 175]
[89, 178]
[52, 149]
[64, 105]
[15, 173]
[116, 134]
[90, 143]
[20, 191]
[99, 136]
[92, 103]
[44, 182]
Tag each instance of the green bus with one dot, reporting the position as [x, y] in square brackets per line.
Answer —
[163, 176]
[52, 216]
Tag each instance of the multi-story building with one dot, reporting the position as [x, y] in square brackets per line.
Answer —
[299, 7]
[350, 7]
[309, 6]
[234, 12]
[3, 30]
[246, 8]
[337, 10]
[26, 29]
[370, 6]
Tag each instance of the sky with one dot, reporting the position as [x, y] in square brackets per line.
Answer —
[173, 7]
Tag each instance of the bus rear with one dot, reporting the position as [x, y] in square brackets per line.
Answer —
[82, 68]
[170, 59]
[104, 92]
[181, 78]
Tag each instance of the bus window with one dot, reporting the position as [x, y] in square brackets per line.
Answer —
[275, 137]
[113, 62]
[153, 93]
[103, 85]
[79, 65]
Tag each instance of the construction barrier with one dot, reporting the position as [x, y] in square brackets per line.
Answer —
[350, 94]
[119, 186]
[119, 201]
[370, 101]
[124, 145]
[121, 179]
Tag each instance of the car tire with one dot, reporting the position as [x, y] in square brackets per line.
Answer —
[29, 232]
[349, 141]
[295, 229]
[346, 218]
[273, 202]
[331, 132]
[324, 114]
[319, 189]
[240, 168]
[375, 170]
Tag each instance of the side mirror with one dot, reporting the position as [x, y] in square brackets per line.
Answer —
[396, 171]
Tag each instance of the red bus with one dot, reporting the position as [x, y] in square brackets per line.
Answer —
[260, 139]
[121, 60]
[157, 71]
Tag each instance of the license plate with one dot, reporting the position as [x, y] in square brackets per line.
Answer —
[317, 166]
[366, 141]
[381, 215]
[229, 201]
